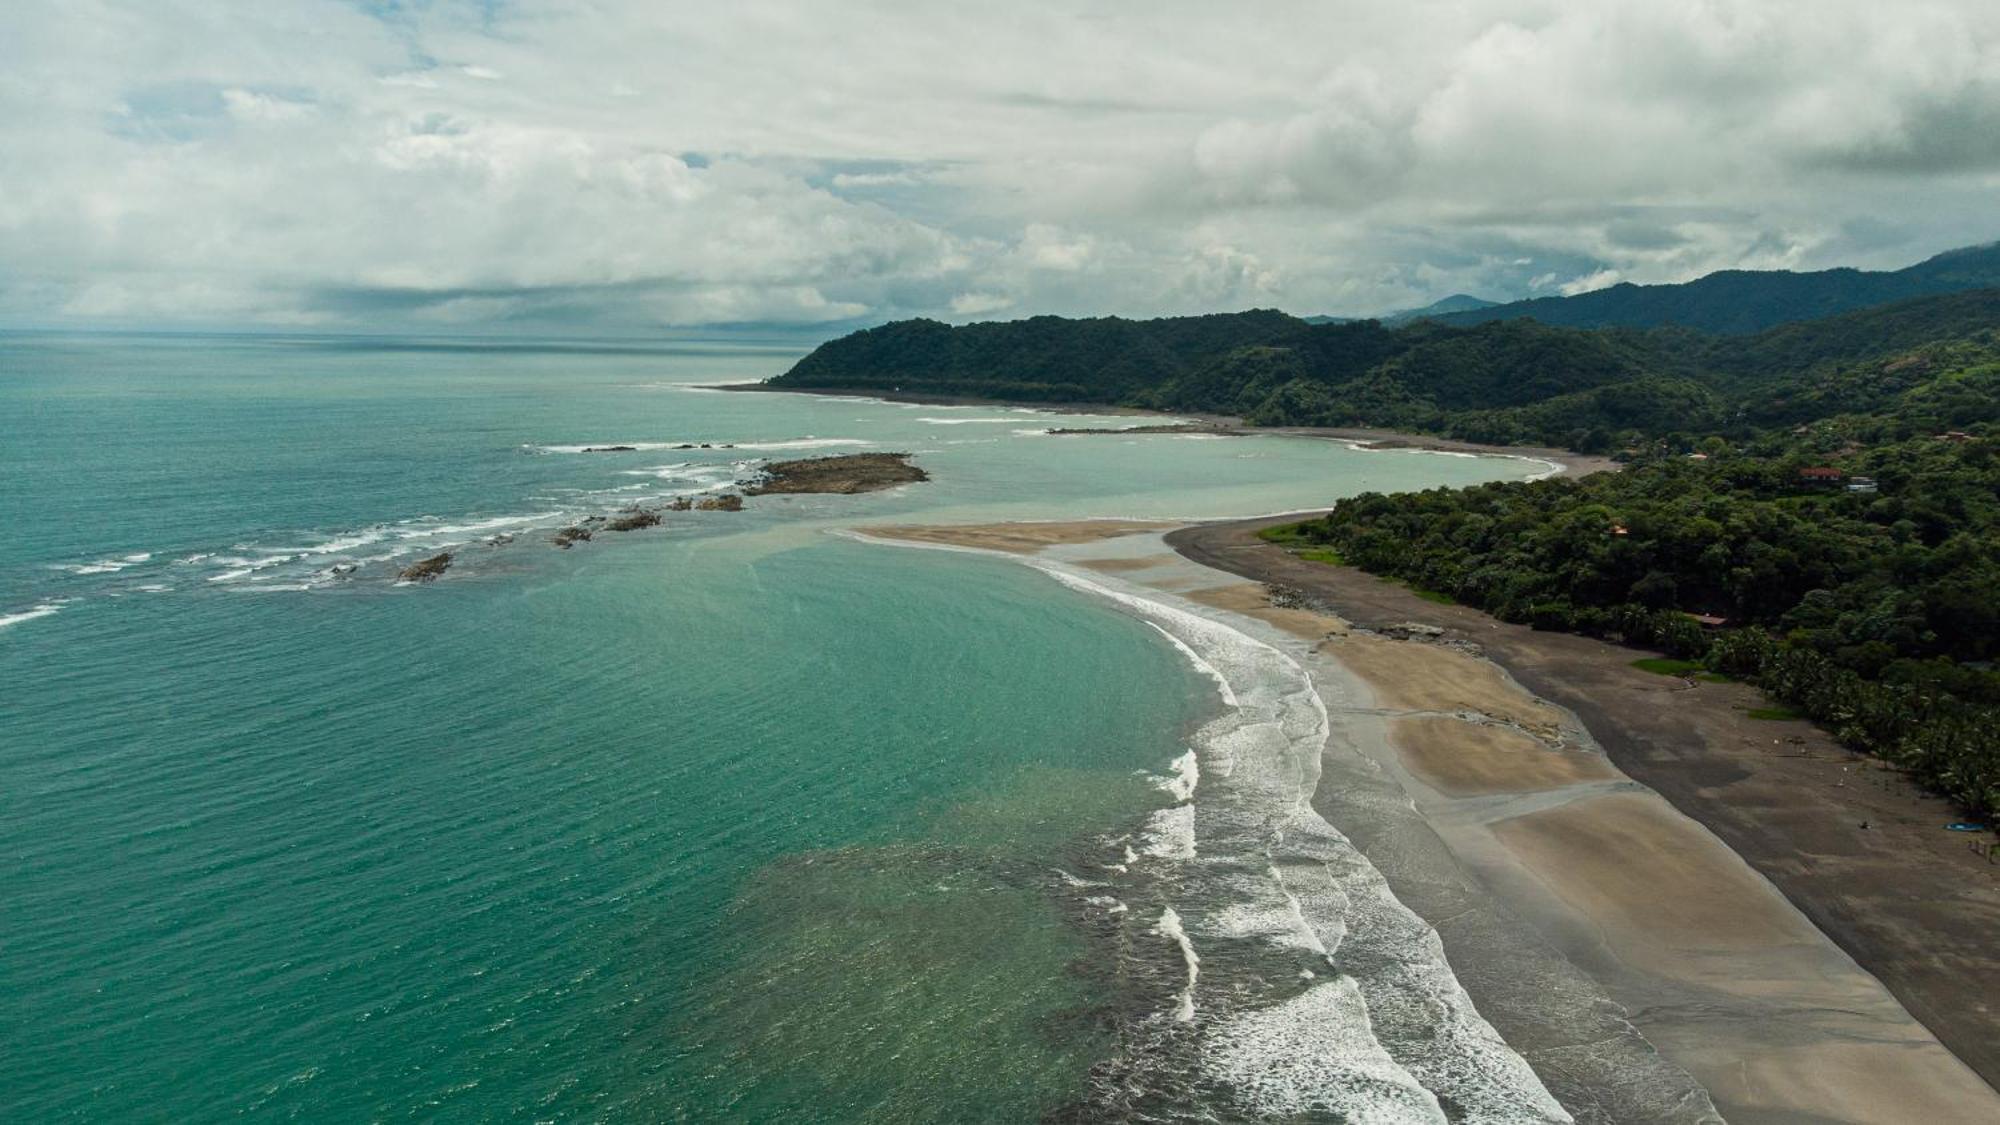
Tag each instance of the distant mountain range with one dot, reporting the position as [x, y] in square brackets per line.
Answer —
[1456, 303]
[1733, 302]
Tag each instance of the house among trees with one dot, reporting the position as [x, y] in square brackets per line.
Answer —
[1862, 484]
[1821, 475]
[1708, 620]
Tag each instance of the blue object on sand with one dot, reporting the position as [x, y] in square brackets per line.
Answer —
[1965, 826]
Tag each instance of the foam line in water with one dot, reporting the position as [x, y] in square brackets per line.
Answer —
[1200, 665]
[807, 442]
[1171, 929]
[45, 609]
[106, 565]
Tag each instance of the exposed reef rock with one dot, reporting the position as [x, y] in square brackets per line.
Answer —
[577, 532]
[845, 474]
[427, 570]
[727, 502]
[610, 448]
[679, 504]
[633, 520]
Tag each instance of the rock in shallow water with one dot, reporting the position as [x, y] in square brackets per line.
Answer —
[427, 570]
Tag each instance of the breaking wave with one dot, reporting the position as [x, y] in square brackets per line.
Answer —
[44, 609]
[1309, 987]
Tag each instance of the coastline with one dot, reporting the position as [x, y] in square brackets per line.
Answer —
[1617, 944]
[1571, 462]
[1908, 903]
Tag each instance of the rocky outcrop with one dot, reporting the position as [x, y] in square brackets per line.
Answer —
[633, 520]
[679, 504]
[427, 570]
[610, 448]
[579, 532]
[727, 502]
[844, 474]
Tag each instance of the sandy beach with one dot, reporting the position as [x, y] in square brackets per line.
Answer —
[1667, 907]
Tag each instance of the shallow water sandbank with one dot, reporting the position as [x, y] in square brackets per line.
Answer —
[1017, 538]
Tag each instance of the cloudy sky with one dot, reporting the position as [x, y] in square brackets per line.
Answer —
[631, 165]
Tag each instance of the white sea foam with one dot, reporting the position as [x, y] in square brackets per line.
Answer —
[1187, 775]
[967, 421]
[1169, 834]
[1200, 665]
[476, 527]
[1170, 928]
[803, 443]
[1376, 1045]
[45, 609]
[104, 566]
[1267, 911]
[1317, 1054]
[341, 544]
[807, 442]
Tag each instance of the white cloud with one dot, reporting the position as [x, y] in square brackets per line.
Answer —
[633, 164]
[1590, 282]
[979, 304]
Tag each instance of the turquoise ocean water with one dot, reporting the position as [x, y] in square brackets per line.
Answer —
[733, 819]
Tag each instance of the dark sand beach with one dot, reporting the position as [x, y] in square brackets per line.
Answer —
[1669, 908]
[1859, 851]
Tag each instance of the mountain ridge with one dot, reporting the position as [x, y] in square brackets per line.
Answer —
[1740, 302]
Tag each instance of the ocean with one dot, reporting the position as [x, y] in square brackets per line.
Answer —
[737, 818]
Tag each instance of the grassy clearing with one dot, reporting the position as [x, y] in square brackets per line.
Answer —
[1285, 535]
[1433, 596]
[1326, 555]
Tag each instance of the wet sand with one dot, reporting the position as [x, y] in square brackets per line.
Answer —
[1017, 538]
[1725, 903]
[1592, 921]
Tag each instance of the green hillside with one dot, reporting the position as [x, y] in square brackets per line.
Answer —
[1747, 301]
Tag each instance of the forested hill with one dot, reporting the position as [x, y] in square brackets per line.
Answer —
[1742, 301]
[1510, 381]
[1829, 488]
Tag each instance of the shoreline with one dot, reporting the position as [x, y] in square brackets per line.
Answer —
[1856, 850]
[1616, 943]
[1571, 462]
